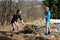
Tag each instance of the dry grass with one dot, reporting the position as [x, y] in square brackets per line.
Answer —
[5, 32]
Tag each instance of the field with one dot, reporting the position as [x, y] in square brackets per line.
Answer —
[5, 32]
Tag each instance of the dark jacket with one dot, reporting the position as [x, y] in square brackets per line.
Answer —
[15, 17]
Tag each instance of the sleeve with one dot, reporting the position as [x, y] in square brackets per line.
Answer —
[19, 16]
[48, 14]
[21, 19]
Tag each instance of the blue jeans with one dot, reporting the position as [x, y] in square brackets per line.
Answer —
[47, 27]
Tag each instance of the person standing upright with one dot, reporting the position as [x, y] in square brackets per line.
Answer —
[47, 19]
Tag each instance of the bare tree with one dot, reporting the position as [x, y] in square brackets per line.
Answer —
[31, 10]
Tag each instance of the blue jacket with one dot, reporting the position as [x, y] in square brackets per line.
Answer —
[48, 14]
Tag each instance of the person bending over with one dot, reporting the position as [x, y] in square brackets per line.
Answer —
[14, 21]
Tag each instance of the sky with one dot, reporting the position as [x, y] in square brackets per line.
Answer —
[40, 0]
[24, 0]
[29, 0]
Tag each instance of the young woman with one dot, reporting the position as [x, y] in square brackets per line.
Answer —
[14, 21]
